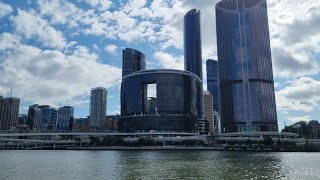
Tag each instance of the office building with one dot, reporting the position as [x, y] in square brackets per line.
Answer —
[193, 56]
[132, 61]
[176, 92]
[65, 118]
[34, 117]
[98, 107]
[49, 117]
[213, 82]
[208, 110]
[246, 86]
[9, 111]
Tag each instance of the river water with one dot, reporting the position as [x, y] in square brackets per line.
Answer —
[68, 165]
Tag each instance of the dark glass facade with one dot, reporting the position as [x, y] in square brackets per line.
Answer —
[176, 95]
[213, 82]
[192, 43]
[247, 98]
[193, 57]
[49, 117]
[132, 61]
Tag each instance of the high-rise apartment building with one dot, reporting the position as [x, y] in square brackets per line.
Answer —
[98, 107]
[9, 111]
[193, 57]
[213, 82]
[65, 118]
[247, 97]
[132, 61]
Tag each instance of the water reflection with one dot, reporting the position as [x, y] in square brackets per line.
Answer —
[202, 164]
[243, 165]
[65, 165]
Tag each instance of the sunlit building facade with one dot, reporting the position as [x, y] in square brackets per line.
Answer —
[98, 107]
[132, 61]
[247, 97]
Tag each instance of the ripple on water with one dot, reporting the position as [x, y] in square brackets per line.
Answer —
[157, 165]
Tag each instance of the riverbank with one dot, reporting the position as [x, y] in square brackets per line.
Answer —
[165, 148]
[197, 148]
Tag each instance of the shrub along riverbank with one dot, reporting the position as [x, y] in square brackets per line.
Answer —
[266, 145]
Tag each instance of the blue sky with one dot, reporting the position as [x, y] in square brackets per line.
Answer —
[54, 51]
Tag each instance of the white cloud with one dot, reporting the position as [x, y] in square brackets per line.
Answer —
[295, 33]
[101, 5]
[294, 119]
[302, 95]
[31, 25]
[169, 61]
[60, 12]
[111, 49]
[52, 77]
[5, 9]
[8, 41]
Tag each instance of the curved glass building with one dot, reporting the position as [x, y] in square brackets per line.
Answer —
[193, 57]
[176, 99]
[247, 98]
[132, 61]
[192, 43]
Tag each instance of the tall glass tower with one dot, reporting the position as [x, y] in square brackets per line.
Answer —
[193, 57]
[247, 98]
[133, 61]
[213, 82]
[192, 43]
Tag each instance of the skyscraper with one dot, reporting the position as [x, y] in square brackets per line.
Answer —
[9, 109]
[193, 56]
[192, 43]
[34, 117]
[132, 61]
[213, 82]
[98, 107]
[208, 110]
[65, 115]
[247, 98]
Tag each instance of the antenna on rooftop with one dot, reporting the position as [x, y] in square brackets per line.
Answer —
[11, 93]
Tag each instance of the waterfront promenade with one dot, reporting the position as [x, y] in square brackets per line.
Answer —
[254, 141]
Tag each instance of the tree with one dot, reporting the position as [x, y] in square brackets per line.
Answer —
[300, 128]
[267, 141]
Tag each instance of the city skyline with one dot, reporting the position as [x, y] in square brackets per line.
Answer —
[29, 57]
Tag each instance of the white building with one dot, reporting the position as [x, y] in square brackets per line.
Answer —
[98, 107]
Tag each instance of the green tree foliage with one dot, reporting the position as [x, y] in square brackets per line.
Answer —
[303, 129]
[268, 141]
